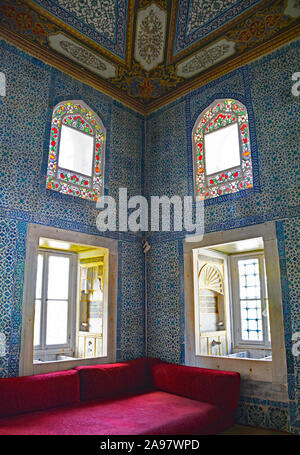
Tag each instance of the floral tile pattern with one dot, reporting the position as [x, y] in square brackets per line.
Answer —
[33, 88]
[264, 87]
[152, 156]
[103, 21]
[99, 14]
[266, 415]
[196, 19]
[131, 328]
[204, 11]
[165, 302]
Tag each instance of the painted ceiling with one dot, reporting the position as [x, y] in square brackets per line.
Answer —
[146, 52]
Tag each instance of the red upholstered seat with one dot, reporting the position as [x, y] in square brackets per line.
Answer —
[42, 391]
[140, 397]
[157, 413]
[100, 382]
[211, 386]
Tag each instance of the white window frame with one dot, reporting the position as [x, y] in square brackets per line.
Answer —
[228, 322]
[34, 233]
[274, 372]
[67, 348]
[235, 307]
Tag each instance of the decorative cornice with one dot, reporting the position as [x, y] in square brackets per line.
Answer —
[226, 67]
[212, 36]
[259, 31]
[220, 31]
[67, 67]
[92, 44]
[172, 31]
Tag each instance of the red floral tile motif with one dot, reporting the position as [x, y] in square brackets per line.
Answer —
[81, 118]
[220, 114]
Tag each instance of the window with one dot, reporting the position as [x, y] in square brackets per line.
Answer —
[222, 154]
[250, 301]
[232, 286]
[76, 151]
[56, 332]
[70, 300]
[233, 305]
[54, 302]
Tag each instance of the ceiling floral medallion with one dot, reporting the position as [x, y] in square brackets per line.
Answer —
[19, 18]
[71, 39]
[206, 58]
[79, 54]
[146, 88]
[142, 85]
[150, 36]
[263, 25]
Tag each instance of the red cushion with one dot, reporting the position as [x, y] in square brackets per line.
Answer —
[31, 393]
[113, 380]
[211, 386]
[157, 413]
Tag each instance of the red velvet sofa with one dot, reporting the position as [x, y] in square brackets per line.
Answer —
[140, 397]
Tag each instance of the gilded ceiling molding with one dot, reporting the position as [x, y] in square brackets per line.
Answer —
[164, 4]
[219, 32]
[101, 21]
[69, 30]
[260, 31]
[138, 84]
[226, 67]
[199, 18]
[129, 32]
[150, 36]
[172, 32]
[51, 58]
[261, 26]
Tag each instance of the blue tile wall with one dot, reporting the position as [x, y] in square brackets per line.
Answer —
[151, 156]
[33, 89]
[264, 86]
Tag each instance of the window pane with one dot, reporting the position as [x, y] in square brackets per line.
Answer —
[222, 149]
[252, 324]
[58, 277]
[57, 322]
[76, 150]
[37, 323]
[254, 336]
[39, 277]
[251, 314]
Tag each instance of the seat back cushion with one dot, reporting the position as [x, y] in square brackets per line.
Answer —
[32, 393]
[217, 387]
[101, 382]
